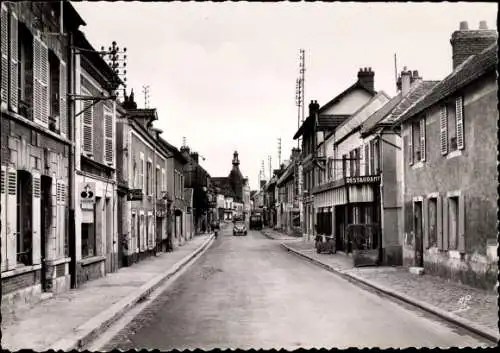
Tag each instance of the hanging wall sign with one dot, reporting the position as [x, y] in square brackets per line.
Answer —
[87, 196]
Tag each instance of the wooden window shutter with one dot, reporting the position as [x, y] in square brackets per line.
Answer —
[87, 125]
[410, 145]
[445, 223]
[422, 139]
[44, 80]
[163, 180]
[14, 73]
[5, 56]
[63, 92]
[11, 219]
[461, 224]
[366, 159]
[460, 122]
[61, 212]
[36, 225]
[425, 222]
[3, 216]
[108, 135]
[439, 225]
[443, 129]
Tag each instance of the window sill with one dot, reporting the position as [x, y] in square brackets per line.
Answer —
[454, 154]
[33, 125]
[58, 261]
[418, 165]
[20, 270]
[90, 260]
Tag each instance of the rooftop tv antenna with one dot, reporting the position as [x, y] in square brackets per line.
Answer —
[279, 152]
[299, 91]
[145, 90]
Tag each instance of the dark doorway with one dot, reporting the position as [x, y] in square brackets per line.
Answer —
[340, 228]
[419, 245]
[46, 225]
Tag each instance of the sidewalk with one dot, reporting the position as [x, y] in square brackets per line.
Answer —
[277, 235]
[72, 319]
[465, 306]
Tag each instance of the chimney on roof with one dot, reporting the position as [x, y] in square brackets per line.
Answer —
[194, 157]
[407, 79]
[367, 77]
[295, 154]
[262, 184]
[466, 42]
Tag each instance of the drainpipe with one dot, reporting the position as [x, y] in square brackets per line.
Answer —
[71, 161]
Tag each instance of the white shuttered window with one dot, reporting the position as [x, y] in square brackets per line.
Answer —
[443, 129]
[14, 74]
[459, 113]
[108, 135]
[87, 125]
[4, 22]
[63, 91]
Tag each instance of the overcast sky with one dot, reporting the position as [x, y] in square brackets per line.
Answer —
[223, 74]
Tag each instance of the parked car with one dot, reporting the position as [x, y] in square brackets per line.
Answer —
[256, 222]
[239, 228]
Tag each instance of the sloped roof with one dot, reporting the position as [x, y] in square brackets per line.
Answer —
[397, 106]
[327, 122]
[358, 117]
[178, 155]
[467, 72]
[376, 117]
[286, 175]
[309, 121]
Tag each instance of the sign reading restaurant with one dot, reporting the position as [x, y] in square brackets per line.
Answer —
[362, 179]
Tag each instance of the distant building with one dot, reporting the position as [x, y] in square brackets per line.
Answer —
[236, 191]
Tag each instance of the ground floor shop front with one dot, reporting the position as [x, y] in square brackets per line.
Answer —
[338, 211]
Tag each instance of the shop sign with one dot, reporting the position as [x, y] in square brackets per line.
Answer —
[135, 195]
[363, 179]
[87, 196]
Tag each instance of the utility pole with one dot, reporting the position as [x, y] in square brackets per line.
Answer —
[279, 152]
[299, 92]
[270, 168]
[396, 72]
[145, 90]
[117, 63]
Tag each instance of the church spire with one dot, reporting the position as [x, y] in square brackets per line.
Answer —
[236, 161]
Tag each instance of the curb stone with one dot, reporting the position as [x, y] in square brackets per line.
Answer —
[478, 329]
[85, 333]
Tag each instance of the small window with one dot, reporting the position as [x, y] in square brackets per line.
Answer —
[432, 221]
[453, 223]
[88, 240]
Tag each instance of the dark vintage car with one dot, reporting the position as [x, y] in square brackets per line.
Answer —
[239, 228]
[256, 222]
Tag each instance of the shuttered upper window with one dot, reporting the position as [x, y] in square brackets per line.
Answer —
[4, 22]
[108, 135]
[452, 125]
[87, 124]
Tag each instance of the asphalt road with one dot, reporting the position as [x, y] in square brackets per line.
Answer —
[247, 292]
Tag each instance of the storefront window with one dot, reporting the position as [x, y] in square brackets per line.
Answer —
[88, 240]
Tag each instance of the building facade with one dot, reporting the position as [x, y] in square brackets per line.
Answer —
[450, 169]
[95, 184]
[36, 145]
[347, 191]
[321, 121]
[142, 170]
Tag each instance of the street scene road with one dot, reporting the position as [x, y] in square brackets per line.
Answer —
[247, 292]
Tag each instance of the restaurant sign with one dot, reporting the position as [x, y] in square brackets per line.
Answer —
[135, 195]
[363, 179]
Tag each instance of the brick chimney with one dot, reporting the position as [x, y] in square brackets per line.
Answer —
[194, 157]
[407, 79]
[262, 184]
[367, 77]
[295, 154]
[466, 42]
